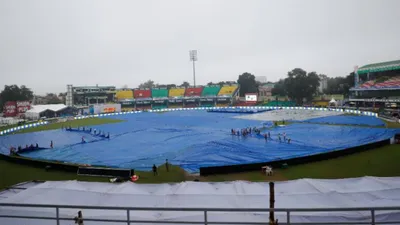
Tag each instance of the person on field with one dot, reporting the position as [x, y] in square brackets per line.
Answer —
[167, 165]
[51, 144]
[155, 173]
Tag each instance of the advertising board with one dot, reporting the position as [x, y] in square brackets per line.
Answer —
[23, 106]
[251, 97]
[10, 109]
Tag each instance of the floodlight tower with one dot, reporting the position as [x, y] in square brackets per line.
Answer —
[193, 58]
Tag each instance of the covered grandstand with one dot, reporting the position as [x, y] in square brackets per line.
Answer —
[226, 94]
[176, 96]
[176, 92]
[126, 98]
[377, 85]
[160, 98]
[192, 95]
[124, 94]
[143, 98]
[209, 95]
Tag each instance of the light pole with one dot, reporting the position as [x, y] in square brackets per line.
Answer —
[193, 58]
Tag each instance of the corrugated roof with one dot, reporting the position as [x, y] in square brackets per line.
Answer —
[379, 67]
[42, 108]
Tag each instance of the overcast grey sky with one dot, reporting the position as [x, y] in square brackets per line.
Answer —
[47, 44]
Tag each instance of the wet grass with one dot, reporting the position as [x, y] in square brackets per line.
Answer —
[72, 123]
[12, 173]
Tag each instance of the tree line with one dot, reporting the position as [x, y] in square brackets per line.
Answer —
[23, 93]
[299, 85]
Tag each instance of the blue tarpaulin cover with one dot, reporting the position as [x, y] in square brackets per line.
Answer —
[190, 139]
[348, 120]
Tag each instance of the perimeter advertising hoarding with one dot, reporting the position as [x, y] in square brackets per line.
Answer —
[10, 109]
[105, 108]
[251, 97]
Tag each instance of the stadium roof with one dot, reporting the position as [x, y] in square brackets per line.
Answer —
[379, 67]
[42, 108]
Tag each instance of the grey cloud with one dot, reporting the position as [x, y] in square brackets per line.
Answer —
[47, 44]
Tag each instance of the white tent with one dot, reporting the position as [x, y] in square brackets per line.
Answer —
[303, 193]
[36, 110]
[332, 102]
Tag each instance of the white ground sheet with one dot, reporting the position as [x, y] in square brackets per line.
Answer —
[288, 114]
[304, 193]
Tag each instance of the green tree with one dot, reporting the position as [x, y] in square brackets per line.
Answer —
[279, 88]
[340, 85]
[185, 84]
[147, 84]
[15, 93]
[248, 84]
[168, 86]
[52, 99]
[301, 86]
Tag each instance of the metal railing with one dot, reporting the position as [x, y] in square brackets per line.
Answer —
[205, 211]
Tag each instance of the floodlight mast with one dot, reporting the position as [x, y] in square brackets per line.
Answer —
[193, 58]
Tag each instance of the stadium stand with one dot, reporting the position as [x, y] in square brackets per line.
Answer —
[380, 84]
[193, 92]
[160, 96]
[176, 97]
[159, 93]
[176, 92]
[142, 93]
[210, 91]
[208, 96]
[377, 86]
[225, 95]
[227, 91]
[121, 95]
[143, 99]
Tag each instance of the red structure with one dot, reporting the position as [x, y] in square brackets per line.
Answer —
[142, 93]
[245, 103]
[195, 91]
[10, 109]
[23, 106]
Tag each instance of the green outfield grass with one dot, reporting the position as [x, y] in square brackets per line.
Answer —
[378, 162]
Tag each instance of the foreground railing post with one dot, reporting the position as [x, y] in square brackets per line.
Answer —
[372, 216]
[288, 217]
[58, 215]
[272, 220]
[205, 218]
[128, 216]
